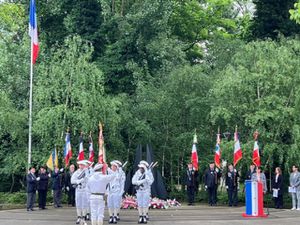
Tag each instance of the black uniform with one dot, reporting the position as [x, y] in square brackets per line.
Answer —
[278, 184]
[57, 186]
[31, 189]
[249, 174]
[42, 189]
[70, 189]
[191, 183]
[232, 187]
[211, 183]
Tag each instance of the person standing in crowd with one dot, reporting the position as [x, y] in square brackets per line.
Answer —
[114, 190]
[143, 180]
[78, 179]
[277, 186]
[259, 176]
[250, 172]
[31, 180]
[88, 173]
[122, 183]
[70, 189]
[211, 183]
[191, 183]
[57, 185]
[295, 184]
[43, 187]
[96, 186]
[232, 185]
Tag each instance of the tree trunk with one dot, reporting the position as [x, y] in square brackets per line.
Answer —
[12, 183]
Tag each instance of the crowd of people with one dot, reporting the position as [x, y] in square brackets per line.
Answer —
[87, 188]
[231, 176]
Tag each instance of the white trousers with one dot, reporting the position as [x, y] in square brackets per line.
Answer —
[143, 199]
[97, 205]
[114, 200]
[81, 199]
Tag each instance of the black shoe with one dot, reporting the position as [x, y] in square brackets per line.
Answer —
[111, 220]
[118, 217]
[141, 220]
[32, 210]
[87, 217]
[144, 219]
[78, 220]
[147, 217]
[115, 220]
[28, 210]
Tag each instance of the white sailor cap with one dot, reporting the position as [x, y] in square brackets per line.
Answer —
[118, 162]
[89, 162]
[114, 163]
[144, 163]
[98, 166]
[83, 162]
[141, 165]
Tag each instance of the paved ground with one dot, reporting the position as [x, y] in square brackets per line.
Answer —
[193, 215]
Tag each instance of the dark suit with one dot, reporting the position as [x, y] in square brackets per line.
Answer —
[31, 189]
[232, 187]
[191, 183]
[42, 189]
[249, 174]
[71, 191]
[211, 183]
[57, 185]
[278, 184]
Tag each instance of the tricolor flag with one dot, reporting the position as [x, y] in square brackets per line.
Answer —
[91, 149]
[194, 157]
[81, 149]
[218, 151]
[255, 155]
[33, 32]
[53, 160]
[67, 149]
[101, 145]
[237, 155]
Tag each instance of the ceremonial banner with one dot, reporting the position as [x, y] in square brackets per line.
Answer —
[81, 149]
[91, 149]
[33, 32]
[194, 157]
[53, 160]
[255, 155]
[218, 151]
[67, 149]
[237, 155]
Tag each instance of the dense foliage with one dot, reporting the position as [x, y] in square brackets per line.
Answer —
[152, 71]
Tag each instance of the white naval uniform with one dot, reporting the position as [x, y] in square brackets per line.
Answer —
[88, 174]
[123, 179]
[96, 186]
[114, 191]
[80, 195]
[144, 181]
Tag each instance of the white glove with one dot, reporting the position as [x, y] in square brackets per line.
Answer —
[61, 170]
[67, 188]
[234, 170]
[217, 170]
[38, 178]
[80, 181]
[139, 182]
[49, 175]
[205, 186]
[226, 187]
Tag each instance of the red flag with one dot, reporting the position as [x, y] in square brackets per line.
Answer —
[237, 156]
[218, 151]
[101, 156]
[194, 157]
[81, 149]
[91, 149]
[255, 155]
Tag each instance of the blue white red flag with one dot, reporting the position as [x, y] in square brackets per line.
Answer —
[33, 32]
[67, 149]
[218, 152]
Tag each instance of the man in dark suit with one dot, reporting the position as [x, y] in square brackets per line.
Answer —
[69, 187]
[43, 187]
[250, 172]
[31, 188]
[232, 185]
[57, 185]
[211, 183]
[191, 183]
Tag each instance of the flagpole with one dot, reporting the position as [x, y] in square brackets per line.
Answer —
[30, 106]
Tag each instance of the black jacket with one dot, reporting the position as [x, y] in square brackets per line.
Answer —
[249, 174]
[31, 183]
[232, 180]
[191, 178]
[278, 184]
[68, 176]
[211, 178]
[43, 182]
[57, 180]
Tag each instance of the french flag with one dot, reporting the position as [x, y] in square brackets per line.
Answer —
[254, 199]
[81, 149]
[67, 149]
[91, 149]
[194, 157]
[218, 151]
[33, 32]
[255, 155]
[237, 155]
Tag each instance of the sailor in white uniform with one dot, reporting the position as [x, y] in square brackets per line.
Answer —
[122, 183]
